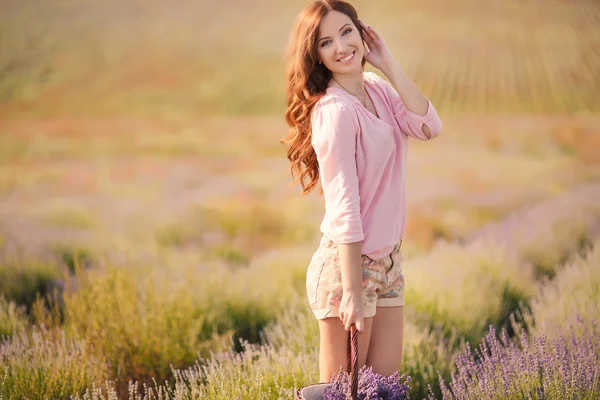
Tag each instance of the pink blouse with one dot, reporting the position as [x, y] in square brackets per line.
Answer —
[362, 163]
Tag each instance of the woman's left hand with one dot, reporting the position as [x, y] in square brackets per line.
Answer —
[379, 55]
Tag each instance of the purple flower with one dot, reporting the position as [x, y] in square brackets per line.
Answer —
[371, 386]
[539, 368]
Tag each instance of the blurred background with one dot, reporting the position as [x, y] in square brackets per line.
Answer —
[142, 179]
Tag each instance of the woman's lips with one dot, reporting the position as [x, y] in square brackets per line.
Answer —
[348, 59]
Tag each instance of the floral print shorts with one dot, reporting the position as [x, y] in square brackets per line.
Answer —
[383, 281]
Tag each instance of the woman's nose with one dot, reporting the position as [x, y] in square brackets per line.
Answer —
[341, 47]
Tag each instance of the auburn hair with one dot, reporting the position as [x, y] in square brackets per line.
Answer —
[306, 84]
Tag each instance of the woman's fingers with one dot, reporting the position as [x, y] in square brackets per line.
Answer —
[366, 37]
[345, 320]
[367, 40]
[370, 33]
[363, 28]
[360, 324]
[354, 319]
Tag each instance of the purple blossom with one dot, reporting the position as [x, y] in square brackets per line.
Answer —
[371, 386]
[537, 368]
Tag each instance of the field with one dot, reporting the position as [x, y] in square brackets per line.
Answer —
[151, 245]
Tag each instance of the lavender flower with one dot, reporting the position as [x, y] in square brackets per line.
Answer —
[371, 386]
[539, 368]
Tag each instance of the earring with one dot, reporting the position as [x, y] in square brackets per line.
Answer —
[320, 62]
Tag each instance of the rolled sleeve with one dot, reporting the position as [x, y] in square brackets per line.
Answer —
[334, 131]
[412, 123]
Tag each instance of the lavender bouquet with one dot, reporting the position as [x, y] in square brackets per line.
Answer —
[371, 386]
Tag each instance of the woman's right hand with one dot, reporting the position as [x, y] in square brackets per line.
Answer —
[351, 309]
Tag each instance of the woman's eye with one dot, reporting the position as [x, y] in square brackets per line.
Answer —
[326, 42]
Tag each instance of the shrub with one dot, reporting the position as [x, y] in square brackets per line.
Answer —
[274, 370]
[464, 289]
[146, 324]
[569, 299]
[427, 355]
[22, 281]
[74, 256]
[138, 327]
[12, 317]
[46, 364]
[257, 372]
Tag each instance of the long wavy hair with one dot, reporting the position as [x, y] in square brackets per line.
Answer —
[307, 82]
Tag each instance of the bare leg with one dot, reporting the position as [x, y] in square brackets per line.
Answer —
[334, 346]
[385, 348]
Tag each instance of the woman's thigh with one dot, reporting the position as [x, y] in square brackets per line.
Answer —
[333, 347]
[386, 341]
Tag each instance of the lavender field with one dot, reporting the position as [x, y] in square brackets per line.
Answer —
[151, 246]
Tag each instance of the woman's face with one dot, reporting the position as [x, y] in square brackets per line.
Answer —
[339, 45]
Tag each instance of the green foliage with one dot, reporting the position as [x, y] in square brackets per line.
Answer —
[465, 289]
[139, 329]
[571, 298]
[22, 281]
[144, 324]
[12, 317]
[428, 355]
[74, 256]
[256, 336]
[178, 235]
[232, 255]
[46, 364]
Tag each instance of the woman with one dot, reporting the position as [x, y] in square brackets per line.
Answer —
[350, 129]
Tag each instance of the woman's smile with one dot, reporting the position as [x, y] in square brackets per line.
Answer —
[348, 59]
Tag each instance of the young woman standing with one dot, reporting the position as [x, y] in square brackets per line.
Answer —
[350, 129]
